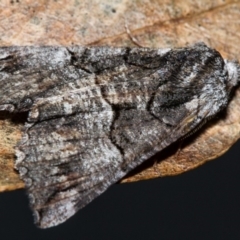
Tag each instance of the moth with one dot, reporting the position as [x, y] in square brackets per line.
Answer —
[95, 113]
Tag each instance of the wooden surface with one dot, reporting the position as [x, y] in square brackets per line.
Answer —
[157, 24]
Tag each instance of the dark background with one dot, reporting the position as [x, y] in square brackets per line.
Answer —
[200, 204]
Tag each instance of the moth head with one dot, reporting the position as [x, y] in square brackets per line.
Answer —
[233, 69]
[215, 95]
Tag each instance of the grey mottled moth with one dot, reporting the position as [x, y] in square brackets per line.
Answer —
[95, 113]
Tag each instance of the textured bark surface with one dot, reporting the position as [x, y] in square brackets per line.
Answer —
[154, 24]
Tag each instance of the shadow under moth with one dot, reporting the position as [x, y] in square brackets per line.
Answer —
[95, 113]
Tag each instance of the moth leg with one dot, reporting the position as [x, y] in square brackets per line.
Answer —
[176, 155]
[155, 167]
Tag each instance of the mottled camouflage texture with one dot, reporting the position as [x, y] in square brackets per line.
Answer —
[96, 113]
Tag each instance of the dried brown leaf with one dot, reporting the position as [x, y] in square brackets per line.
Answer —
[154, 24]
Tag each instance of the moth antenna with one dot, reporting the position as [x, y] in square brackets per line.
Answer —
[132, 38]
